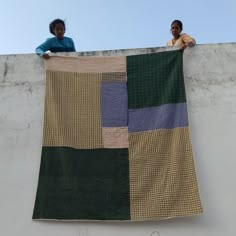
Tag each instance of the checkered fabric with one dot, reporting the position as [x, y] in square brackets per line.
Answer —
[116, 140]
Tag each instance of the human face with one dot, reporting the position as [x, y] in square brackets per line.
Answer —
[175, 30]
[59, 30]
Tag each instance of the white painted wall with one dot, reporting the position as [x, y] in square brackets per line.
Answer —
[210, 75]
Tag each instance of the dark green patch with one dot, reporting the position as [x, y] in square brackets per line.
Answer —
[83, 184]
[155, 79]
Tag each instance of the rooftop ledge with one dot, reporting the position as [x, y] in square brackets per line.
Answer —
[210, 80]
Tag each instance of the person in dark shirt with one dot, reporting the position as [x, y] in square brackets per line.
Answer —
[59, 43]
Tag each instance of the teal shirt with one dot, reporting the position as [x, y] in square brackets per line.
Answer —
[56, 45]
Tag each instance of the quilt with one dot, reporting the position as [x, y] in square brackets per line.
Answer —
[116, 140]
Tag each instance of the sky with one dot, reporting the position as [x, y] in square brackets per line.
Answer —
[98, 25]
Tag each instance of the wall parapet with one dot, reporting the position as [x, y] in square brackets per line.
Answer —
[210, 79]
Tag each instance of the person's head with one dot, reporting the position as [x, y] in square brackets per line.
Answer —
[176, 28]
[57, 28]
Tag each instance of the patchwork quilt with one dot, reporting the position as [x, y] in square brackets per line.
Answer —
[116, 140]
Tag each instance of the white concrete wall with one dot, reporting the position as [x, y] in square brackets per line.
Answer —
[210, 75]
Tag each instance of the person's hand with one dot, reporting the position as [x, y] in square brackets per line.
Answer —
[46, 56]
[190, 44]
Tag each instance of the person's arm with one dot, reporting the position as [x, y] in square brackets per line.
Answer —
[41, 49]
[188, 41]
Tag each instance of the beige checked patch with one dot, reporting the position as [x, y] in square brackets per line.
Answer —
[72, 115]
[163, 182]
[163, 141]
[115, 137]
[87, 64]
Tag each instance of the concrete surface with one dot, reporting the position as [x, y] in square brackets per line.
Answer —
[210, 77]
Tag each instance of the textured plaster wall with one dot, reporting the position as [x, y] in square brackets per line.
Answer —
[210, 77]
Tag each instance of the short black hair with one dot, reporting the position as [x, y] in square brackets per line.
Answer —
[180, 24]
[52, 25]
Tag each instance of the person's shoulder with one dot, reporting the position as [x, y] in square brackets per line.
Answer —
[52, 39]
[186, 36]
[68, 38]
[183, 35]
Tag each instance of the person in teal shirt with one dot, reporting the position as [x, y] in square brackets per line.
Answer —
[59, 43]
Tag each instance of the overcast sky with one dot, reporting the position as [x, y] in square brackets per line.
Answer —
[114, 24]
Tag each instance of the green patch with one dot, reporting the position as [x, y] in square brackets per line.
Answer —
[155, 79]
[83, 184]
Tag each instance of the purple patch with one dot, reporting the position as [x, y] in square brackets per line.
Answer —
[168, 116]
[114, 103]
